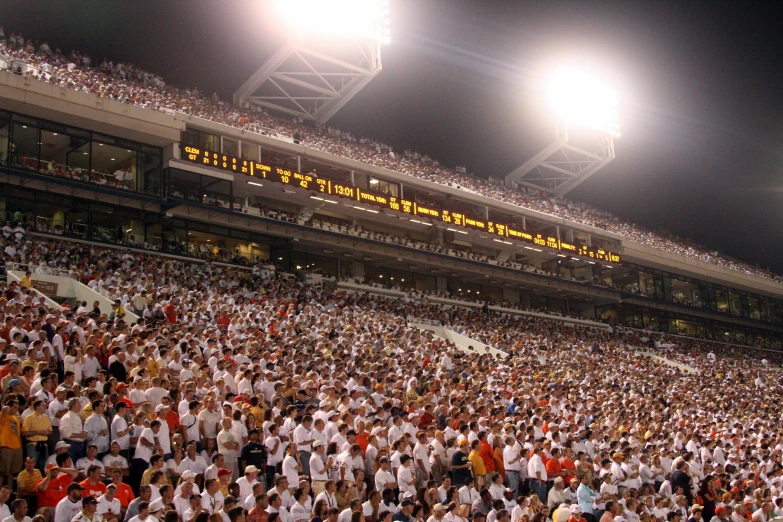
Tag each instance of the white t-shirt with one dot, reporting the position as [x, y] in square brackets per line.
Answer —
[144, 452]
[106, 506]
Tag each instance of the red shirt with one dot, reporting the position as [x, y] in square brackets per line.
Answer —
[57, 490]
[172, 419]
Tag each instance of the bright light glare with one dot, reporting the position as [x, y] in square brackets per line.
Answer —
[582, 100]
[363, 18]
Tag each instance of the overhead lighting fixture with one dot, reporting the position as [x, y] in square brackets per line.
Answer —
[462, 232]
[576, 259]
[507, 243]
[561, 255]
[498, 240]
[330, 201]
[316, 197]
[536, 249]
[415, 221]
[607, 266]
[582, 100]
[370, 210]
[374, 181]
[529, 248]
[338, 18]
[358, 208]
[255, 184]
[591, 262]
[287, 191]
[451, 230]
[426, 224]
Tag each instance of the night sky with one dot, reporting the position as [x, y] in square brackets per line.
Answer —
[701, 90]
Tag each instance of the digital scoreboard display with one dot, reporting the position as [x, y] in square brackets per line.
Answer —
[329, 187]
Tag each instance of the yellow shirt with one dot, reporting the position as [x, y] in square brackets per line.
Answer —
[25, 282]
[10, 433]
[478, 463]
[153, 367]
[33, 423]
[26, 481]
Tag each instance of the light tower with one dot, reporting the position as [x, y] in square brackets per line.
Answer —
[587, 124]
[334, 51]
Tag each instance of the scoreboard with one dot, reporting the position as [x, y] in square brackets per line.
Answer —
[329, 187]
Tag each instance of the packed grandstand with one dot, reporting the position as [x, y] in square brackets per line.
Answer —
[232, 389]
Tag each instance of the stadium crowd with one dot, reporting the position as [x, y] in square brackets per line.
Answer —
[249, 394]
[129, 84]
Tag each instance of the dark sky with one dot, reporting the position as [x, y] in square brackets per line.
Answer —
[701, 90]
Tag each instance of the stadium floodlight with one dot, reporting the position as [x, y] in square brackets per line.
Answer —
[363, 18]
[586, 109]
[582, 100]
[335, 52]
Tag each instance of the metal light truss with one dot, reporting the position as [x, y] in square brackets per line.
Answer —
[312, 84]
[566, 163]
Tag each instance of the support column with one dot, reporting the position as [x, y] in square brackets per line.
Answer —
[486, 213]
[299, 163]
[353, 178]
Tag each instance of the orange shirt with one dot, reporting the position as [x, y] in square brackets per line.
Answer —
[361, 440]
[124, 494]
[487, 455]
[570, 468]
[498, 456]
[57, 490]
[96, 490]
[553, 466]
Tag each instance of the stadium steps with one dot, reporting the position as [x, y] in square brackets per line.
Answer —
[70, 289]
[16, 275]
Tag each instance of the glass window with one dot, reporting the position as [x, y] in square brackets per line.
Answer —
[77, 159]
[230, 147]
[184, 185]
[209, 141]
[250, 151]
[54, 150]
[151, 171]
[24, 146]
[114, 166]
[77, 219]
[5, 126]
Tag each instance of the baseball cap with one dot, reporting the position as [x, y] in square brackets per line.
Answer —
[407, 502]
[62, 445]
[223, 471]
[89, 499]
[188, 474]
